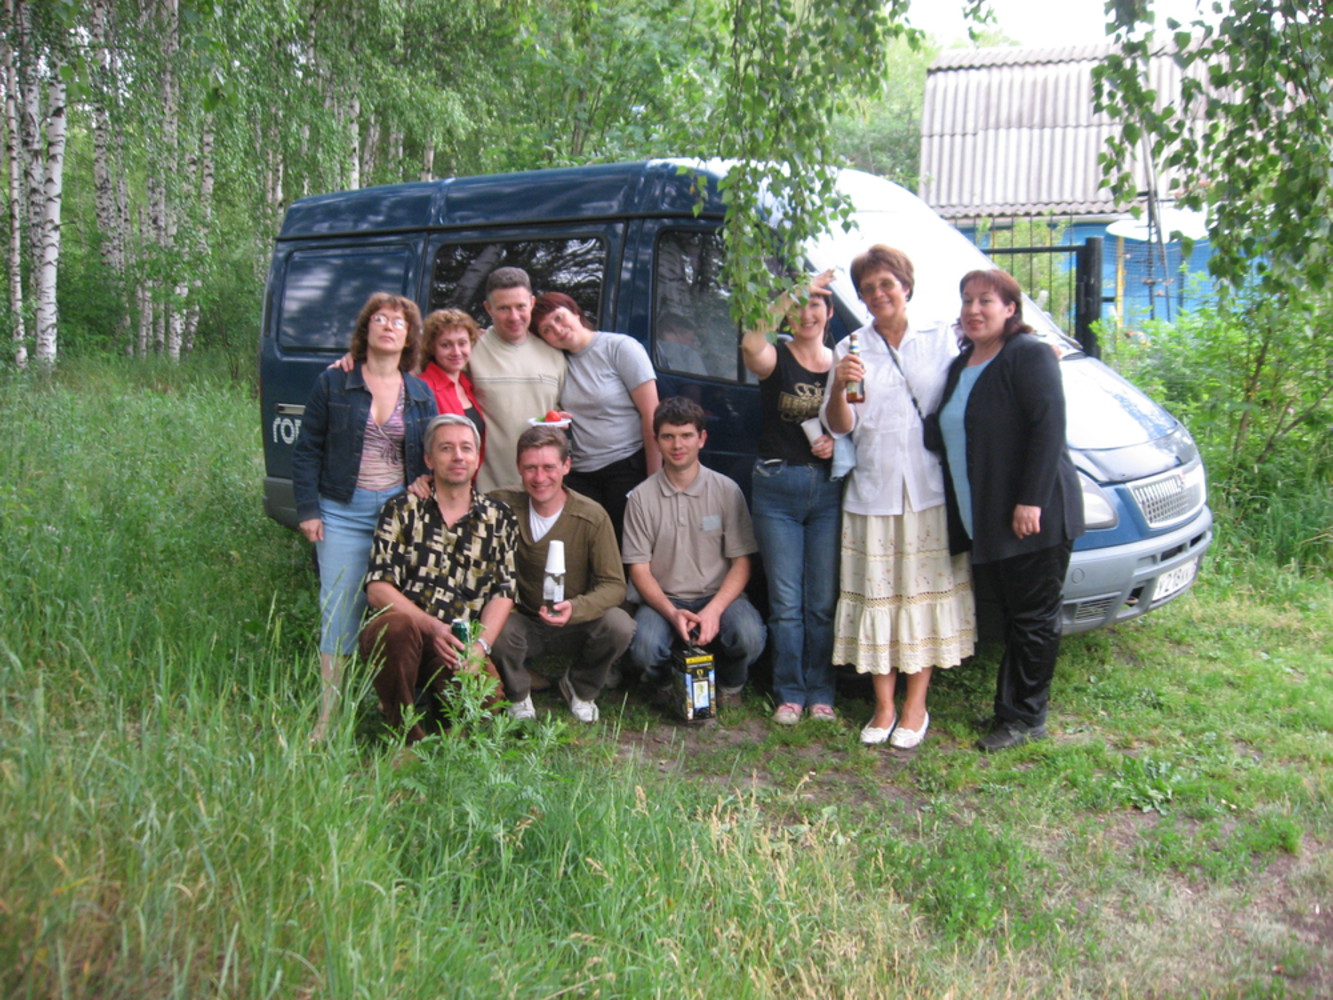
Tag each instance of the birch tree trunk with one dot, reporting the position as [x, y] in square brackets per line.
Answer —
[13, 142]
[143, 293]
[369, 148]
[304, 153]
[123, 249]
[171, 210]
[353, 143]
[204, 225]
[108, 166]
[53, 187]
[153, 240]
[273, 175]
[30, 121]
[396, 153]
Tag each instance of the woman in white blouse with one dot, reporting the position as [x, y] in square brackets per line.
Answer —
[906, 604]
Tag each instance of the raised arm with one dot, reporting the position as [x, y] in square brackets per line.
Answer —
[757, 350]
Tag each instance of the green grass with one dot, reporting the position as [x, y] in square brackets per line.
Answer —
[166, 831]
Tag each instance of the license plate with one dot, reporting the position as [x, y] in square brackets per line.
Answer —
[1173, 581]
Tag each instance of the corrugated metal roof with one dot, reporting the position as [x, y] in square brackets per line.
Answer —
[1013, 132]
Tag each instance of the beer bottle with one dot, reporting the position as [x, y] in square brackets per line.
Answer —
[856, 391]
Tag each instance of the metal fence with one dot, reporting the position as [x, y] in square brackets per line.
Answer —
[1135, 281]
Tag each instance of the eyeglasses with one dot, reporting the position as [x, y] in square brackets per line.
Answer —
[883, 286]
[397, 322]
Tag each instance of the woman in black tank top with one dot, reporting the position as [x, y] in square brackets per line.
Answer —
[797, 508]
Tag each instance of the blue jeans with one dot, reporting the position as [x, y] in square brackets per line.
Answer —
[797, 521]
[740, 640]
[344, 555]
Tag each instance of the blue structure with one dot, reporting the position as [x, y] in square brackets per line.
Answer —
[1141, 280]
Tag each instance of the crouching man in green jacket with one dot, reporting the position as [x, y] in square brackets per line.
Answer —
[588, 621]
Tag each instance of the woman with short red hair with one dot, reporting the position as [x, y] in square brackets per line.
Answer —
[610, 395]
[447, 339]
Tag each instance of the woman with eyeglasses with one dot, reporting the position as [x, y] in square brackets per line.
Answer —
[905, 603]
[361, 442]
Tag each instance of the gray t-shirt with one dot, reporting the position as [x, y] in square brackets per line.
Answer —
[688, 537]
[598, 382]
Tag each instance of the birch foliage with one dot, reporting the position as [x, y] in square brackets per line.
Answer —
[1257, 79]
[787, 69]
[194, 123]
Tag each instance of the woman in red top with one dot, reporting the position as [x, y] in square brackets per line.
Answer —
[447, 338]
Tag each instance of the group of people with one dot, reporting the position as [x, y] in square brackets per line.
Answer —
[960, 491]
[437, 500]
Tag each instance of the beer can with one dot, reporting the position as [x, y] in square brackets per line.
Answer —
[462, 630]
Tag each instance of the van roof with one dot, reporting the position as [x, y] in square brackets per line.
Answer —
[663, 186]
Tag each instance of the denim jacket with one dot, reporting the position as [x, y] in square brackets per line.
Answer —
[327, 458]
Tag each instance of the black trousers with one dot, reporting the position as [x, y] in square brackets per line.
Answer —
[1026, 592]
[610, 486]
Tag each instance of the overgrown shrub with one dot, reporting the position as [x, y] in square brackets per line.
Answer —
[1254, 384]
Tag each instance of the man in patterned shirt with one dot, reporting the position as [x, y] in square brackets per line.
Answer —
[449, 555]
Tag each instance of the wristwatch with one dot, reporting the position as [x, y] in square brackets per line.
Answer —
[485, 646]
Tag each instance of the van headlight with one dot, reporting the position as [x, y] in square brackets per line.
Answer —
[1098, 510]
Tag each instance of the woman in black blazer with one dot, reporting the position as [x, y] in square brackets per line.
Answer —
[1014, 498]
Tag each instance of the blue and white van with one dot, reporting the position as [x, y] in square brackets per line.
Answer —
[630, 243]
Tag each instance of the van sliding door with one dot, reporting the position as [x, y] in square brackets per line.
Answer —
[692, 339]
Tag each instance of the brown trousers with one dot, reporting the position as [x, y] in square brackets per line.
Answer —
[406, 661]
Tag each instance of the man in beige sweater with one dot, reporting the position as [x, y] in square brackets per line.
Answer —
[515, 374]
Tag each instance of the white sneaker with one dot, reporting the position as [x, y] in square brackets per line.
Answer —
[522, 709]
[584, 711]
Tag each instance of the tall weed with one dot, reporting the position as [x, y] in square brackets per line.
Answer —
[166, 830]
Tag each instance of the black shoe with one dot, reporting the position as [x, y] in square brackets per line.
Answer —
[659, 696]
[1007, 735]
[730, 699]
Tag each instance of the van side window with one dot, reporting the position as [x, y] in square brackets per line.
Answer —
[693, 332]
[575, 266]
[324, 290]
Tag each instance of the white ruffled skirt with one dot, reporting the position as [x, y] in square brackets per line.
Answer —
[904, 603]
